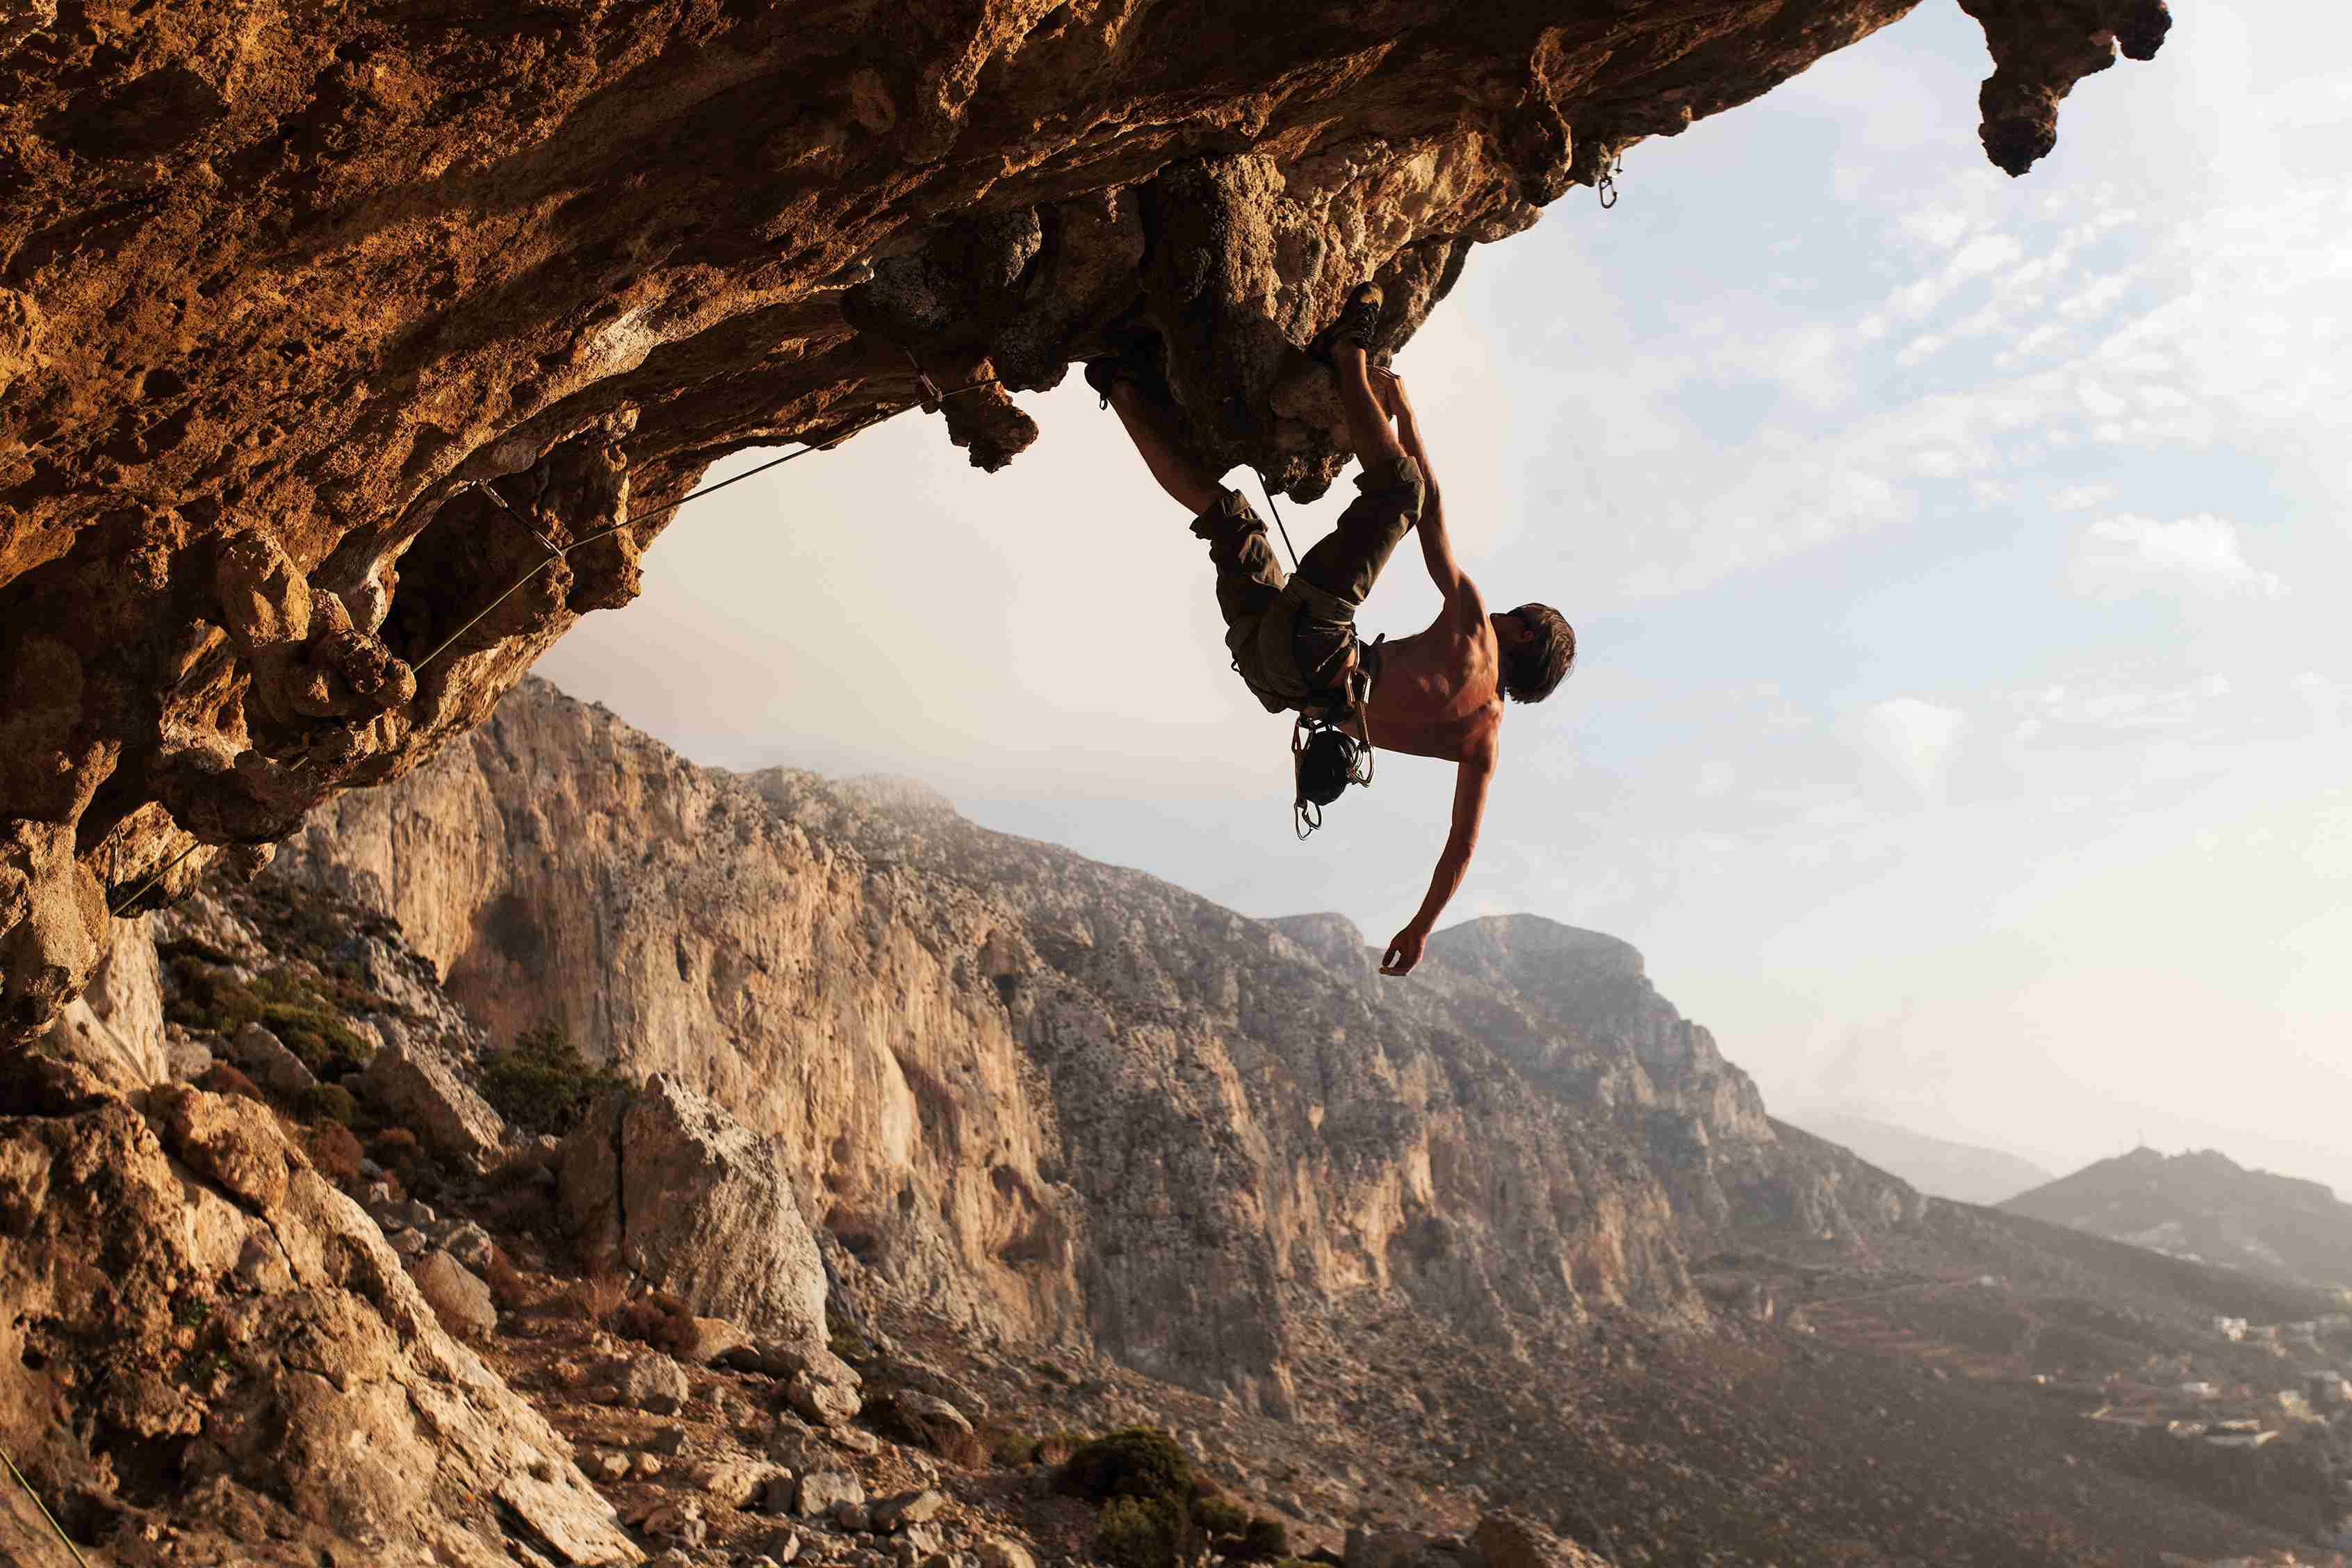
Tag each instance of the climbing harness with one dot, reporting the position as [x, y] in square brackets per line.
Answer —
[931, 398]
[1324, 759]
[1605, 187]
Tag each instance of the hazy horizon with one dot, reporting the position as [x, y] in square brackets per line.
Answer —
[1963, 715]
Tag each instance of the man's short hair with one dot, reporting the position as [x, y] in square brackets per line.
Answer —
[1533, 669]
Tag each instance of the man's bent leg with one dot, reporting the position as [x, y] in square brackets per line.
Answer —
[1368, 430]
[1345, 562]
[1249, 578]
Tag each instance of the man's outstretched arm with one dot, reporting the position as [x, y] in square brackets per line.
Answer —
[1469, 805]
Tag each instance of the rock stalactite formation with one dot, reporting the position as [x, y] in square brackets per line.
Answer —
[321, 327]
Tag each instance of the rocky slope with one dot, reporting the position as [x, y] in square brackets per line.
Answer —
[349, 355]
[1413, 1275]
[1053, 1100]
[2203, 1205]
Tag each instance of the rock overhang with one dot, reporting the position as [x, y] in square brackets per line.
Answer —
[347, 360]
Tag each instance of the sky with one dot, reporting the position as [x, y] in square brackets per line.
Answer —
[1963, 719]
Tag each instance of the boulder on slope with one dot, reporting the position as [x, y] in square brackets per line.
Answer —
[420, 1087]
[694, 1203]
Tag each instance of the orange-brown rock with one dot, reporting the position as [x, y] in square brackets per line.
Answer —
[199, 1327]
[324, 328]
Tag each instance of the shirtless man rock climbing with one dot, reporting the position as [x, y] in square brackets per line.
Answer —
[1438, 693]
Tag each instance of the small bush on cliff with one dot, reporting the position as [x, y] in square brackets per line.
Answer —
[658, 1319]
[1262, 1541]
[330, 1102]
[1160, 1511]
[1152, 1517]
[334, 1152]
[311, 1027]
[1140, 1462]
[539, 1083]
[1142, 1532]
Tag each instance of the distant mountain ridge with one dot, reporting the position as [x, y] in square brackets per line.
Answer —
[2205, 1206]
[1944, 1167]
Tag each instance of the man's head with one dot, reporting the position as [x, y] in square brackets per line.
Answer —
[1539, 647]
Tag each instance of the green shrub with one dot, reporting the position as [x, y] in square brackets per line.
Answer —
[288, 1006]
[1142, 1532]
[540, 1084]
[1220, 1516]
[1139, 1462]
[330, 1102]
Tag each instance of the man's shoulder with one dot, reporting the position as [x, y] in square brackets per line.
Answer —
[1482, 736]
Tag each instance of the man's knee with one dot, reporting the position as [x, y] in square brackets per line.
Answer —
[1230, 513]
[1397, 483]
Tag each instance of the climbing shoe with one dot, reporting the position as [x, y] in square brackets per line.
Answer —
[1359, 325]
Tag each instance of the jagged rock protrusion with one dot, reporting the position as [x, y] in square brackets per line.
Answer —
[2040, 51]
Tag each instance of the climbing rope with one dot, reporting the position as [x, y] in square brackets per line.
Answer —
[1267, 490]
[140, 891]
[46, 1515]
[932, 398]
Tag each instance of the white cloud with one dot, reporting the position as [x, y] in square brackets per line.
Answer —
[2083, 497]
[1917, 738]
[2115, 702]
[1939, 227]
[2123, 554]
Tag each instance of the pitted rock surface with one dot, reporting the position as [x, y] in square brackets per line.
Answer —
[228, 1321]
[320, 333]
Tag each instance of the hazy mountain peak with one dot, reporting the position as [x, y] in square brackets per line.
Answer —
[2201, 1204]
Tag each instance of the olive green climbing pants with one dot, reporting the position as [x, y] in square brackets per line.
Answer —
[1293, 639]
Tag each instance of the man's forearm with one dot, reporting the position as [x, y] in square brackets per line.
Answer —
[1409, 438]
[1443, 885]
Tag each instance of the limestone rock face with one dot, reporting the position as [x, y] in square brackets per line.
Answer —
[115, 1027]
[348, 357]
[686, 1198]
[232, 1330]
[1052, 1100]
